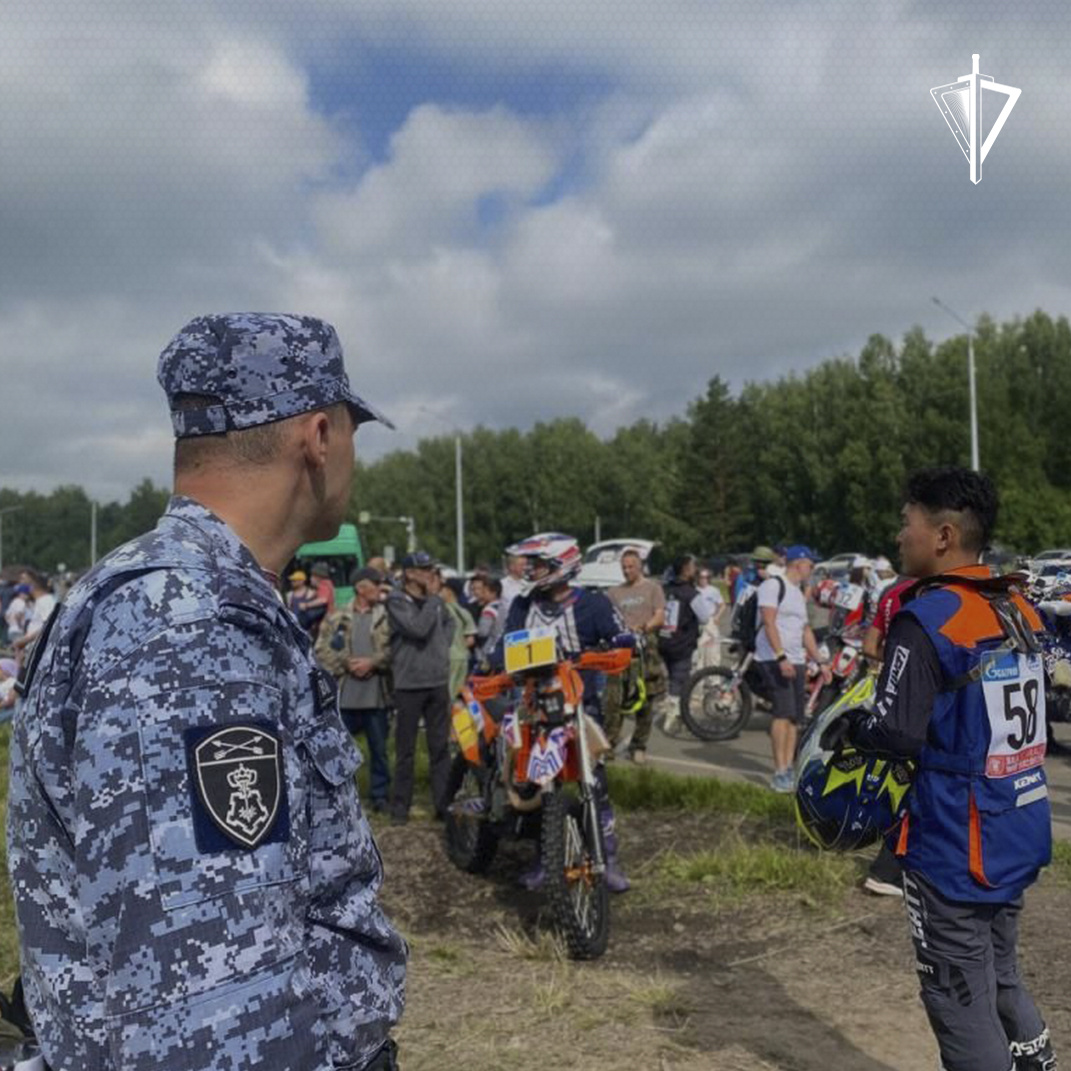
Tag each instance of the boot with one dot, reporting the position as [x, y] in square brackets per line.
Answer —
[616, 881]
[1035, 1055]
[532, 879]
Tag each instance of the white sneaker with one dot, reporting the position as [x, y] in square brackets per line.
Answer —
[671, 720]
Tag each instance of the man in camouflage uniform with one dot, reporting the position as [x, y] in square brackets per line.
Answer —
[194, 879]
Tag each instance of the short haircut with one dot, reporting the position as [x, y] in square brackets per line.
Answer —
[968, 498]
[259, 445]
[493, 585]
[632, 552]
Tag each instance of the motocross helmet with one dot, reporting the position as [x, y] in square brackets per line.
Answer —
[845, 799]
[560, 553]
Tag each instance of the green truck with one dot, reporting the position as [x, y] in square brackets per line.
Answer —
[342, 555]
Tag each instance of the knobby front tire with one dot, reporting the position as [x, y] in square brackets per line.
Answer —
[579, 899]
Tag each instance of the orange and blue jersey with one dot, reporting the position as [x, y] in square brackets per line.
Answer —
[965, 700]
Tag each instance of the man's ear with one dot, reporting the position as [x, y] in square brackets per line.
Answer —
[947, 537]
[316, 435]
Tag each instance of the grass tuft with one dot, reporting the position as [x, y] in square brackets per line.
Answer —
[740, 869]
[544, 947]
[664, 1001]
[648, 789]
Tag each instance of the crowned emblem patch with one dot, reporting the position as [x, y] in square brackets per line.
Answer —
[239, 782]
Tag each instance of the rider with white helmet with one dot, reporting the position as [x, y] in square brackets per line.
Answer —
[581, 620]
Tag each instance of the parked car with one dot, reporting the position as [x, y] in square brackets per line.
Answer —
[1048, 557]
[839, 566]
[601, 567]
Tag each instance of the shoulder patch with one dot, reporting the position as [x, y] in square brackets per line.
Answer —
[237, 786]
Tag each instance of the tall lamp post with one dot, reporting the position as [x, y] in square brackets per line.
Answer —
[459, 504]
[6, 509]
[970, 376]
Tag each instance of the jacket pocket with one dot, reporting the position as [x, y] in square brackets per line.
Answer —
[341, 845]
[1010, 832]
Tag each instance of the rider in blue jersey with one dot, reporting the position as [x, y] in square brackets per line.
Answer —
[581, 620]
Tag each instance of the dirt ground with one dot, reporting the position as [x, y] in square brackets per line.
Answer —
[695, 979]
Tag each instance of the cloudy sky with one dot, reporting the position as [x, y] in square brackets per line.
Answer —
[511, 209]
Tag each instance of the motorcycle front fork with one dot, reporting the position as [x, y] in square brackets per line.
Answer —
[589, 791]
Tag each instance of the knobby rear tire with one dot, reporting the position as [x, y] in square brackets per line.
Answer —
[470, 841]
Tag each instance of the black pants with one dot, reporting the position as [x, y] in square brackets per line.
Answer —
[969, 975]
[412, 704]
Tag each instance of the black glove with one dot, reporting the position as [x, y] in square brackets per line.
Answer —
[838, 733]
[386, 1059]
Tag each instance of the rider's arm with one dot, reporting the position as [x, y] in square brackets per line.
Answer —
[909, 684]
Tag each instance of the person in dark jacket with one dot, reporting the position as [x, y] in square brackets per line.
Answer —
[421, 632]
[686, 613]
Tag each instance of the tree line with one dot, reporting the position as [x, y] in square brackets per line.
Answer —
[818, 457]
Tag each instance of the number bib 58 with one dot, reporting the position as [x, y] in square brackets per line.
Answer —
[1014, 687]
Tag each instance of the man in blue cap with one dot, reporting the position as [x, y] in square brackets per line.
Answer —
[781, 648]
[194, 880]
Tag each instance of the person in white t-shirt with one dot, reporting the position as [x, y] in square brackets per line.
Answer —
[708, 653]
[16, 613]
[8, 672]
[783, 643]
[44, 602]
[513, 583]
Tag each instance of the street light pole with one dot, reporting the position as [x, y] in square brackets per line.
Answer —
[458, 488]
[970, 379]
[460, 507]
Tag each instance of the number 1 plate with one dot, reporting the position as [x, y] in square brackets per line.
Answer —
[529, 649]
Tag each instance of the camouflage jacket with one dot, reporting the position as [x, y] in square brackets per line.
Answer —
[194, 879]
[333, 643]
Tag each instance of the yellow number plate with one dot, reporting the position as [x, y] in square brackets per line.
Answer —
[530, 648]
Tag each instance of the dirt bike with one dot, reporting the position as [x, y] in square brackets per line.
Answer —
[717, 701]
[1056, 653]
[847, 667]
[526, 754]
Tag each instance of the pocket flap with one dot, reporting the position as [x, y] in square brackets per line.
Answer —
[996, 795]
[332, 750]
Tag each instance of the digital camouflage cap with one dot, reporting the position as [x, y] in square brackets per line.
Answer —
[261, 367]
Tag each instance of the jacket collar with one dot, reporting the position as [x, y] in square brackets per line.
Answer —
[222, 540]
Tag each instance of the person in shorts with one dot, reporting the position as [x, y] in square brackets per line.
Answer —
[784, 641]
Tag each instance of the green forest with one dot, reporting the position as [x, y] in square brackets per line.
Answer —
[818, 457]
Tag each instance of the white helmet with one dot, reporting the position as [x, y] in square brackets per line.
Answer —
[560, 552]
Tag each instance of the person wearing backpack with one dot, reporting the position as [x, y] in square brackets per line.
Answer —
[783, 641]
